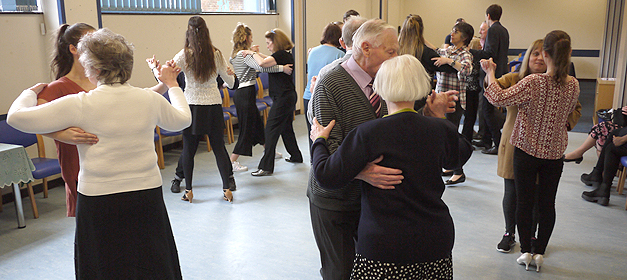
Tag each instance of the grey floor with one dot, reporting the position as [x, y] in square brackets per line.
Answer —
[266, 233]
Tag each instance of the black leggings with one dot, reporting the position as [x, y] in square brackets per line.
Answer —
[185, 167]
[509, 208]
[528, 169]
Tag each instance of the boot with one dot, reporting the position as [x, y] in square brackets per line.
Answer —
[592, 177]
[600, 195]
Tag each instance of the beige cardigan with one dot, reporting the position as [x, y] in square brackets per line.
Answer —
[505, 168]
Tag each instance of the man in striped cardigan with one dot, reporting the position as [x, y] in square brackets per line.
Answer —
[344, 95]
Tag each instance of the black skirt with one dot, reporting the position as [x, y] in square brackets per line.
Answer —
[205, 118]
[124, 236]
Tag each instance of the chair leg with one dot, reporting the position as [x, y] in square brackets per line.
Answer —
[229, 131]
[160, 160]
[45, 184]
[621, 180]
[31, 195]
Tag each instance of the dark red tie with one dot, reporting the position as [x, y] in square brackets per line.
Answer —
[375, 100]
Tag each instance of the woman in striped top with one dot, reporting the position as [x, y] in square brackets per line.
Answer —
[245, 67]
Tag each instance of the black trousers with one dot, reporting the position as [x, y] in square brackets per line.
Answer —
[491, 122]
[251, 130]
[470, 115]
[215, 126]
[509, 208]
[610, 158]
[455, 118]
[336, 234]
[279, 123]
[528, 169]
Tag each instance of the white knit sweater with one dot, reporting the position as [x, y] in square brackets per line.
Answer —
[207, 93]
[123, 117]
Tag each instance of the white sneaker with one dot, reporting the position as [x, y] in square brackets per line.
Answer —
[278, 155]
[238, 167]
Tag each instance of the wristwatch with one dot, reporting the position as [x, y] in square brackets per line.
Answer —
[453, 63]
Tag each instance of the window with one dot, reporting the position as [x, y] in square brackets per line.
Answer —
[19, 6]
[189, 6]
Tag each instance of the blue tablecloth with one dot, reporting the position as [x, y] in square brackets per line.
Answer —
[15, 165]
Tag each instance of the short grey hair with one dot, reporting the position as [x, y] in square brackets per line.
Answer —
[402, 78]
[350, 27]
[107, 56]
[371, 32]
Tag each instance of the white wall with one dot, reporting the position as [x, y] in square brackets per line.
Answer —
[164, 36]
[23, 55]
[526, 21]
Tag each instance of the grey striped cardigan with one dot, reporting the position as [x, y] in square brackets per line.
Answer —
[246, 69]
[338, 97]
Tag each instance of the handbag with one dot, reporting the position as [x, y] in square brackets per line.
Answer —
[614, 115]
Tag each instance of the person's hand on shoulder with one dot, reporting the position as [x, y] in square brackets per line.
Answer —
[37, 88]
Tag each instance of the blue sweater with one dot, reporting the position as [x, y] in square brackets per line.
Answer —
[319, 57]
[411, 223]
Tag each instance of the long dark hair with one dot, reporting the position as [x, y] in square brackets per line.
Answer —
[411, 38]
[199, 52]
[62, 58]
[557, 46]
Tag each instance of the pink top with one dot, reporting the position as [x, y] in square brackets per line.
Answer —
[543, 108]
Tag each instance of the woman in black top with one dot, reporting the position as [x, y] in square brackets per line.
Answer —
[283, 94]
[405, 232]
[411, 41]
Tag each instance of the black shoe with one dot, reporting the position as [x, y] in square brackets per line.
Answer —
[176, 186]
[476, 136]
[292, 160]
[491, 151]
[232, 186]
[576, 160]
[459, 180]
[480, 144]
[600, 195]
[448, 173]
[507, 243]
[592, 177]
[260, 172]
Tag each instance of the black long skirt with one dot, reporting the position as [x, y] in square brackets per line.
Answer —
[251, 130]
[124, 236]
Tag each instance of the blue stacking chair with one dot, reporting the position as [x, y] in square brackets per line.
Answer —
[229, 113]
[262, 86]
[261, 104]
[44, 167]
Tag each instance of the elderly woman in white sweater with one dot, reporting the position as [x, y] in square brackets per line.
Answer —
[122, 226]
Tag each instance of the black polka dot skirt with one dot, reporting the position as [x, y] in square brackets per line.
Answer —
[365, 269]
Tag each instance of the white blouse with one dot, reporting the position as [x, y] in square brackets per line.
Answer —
[207, 93]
